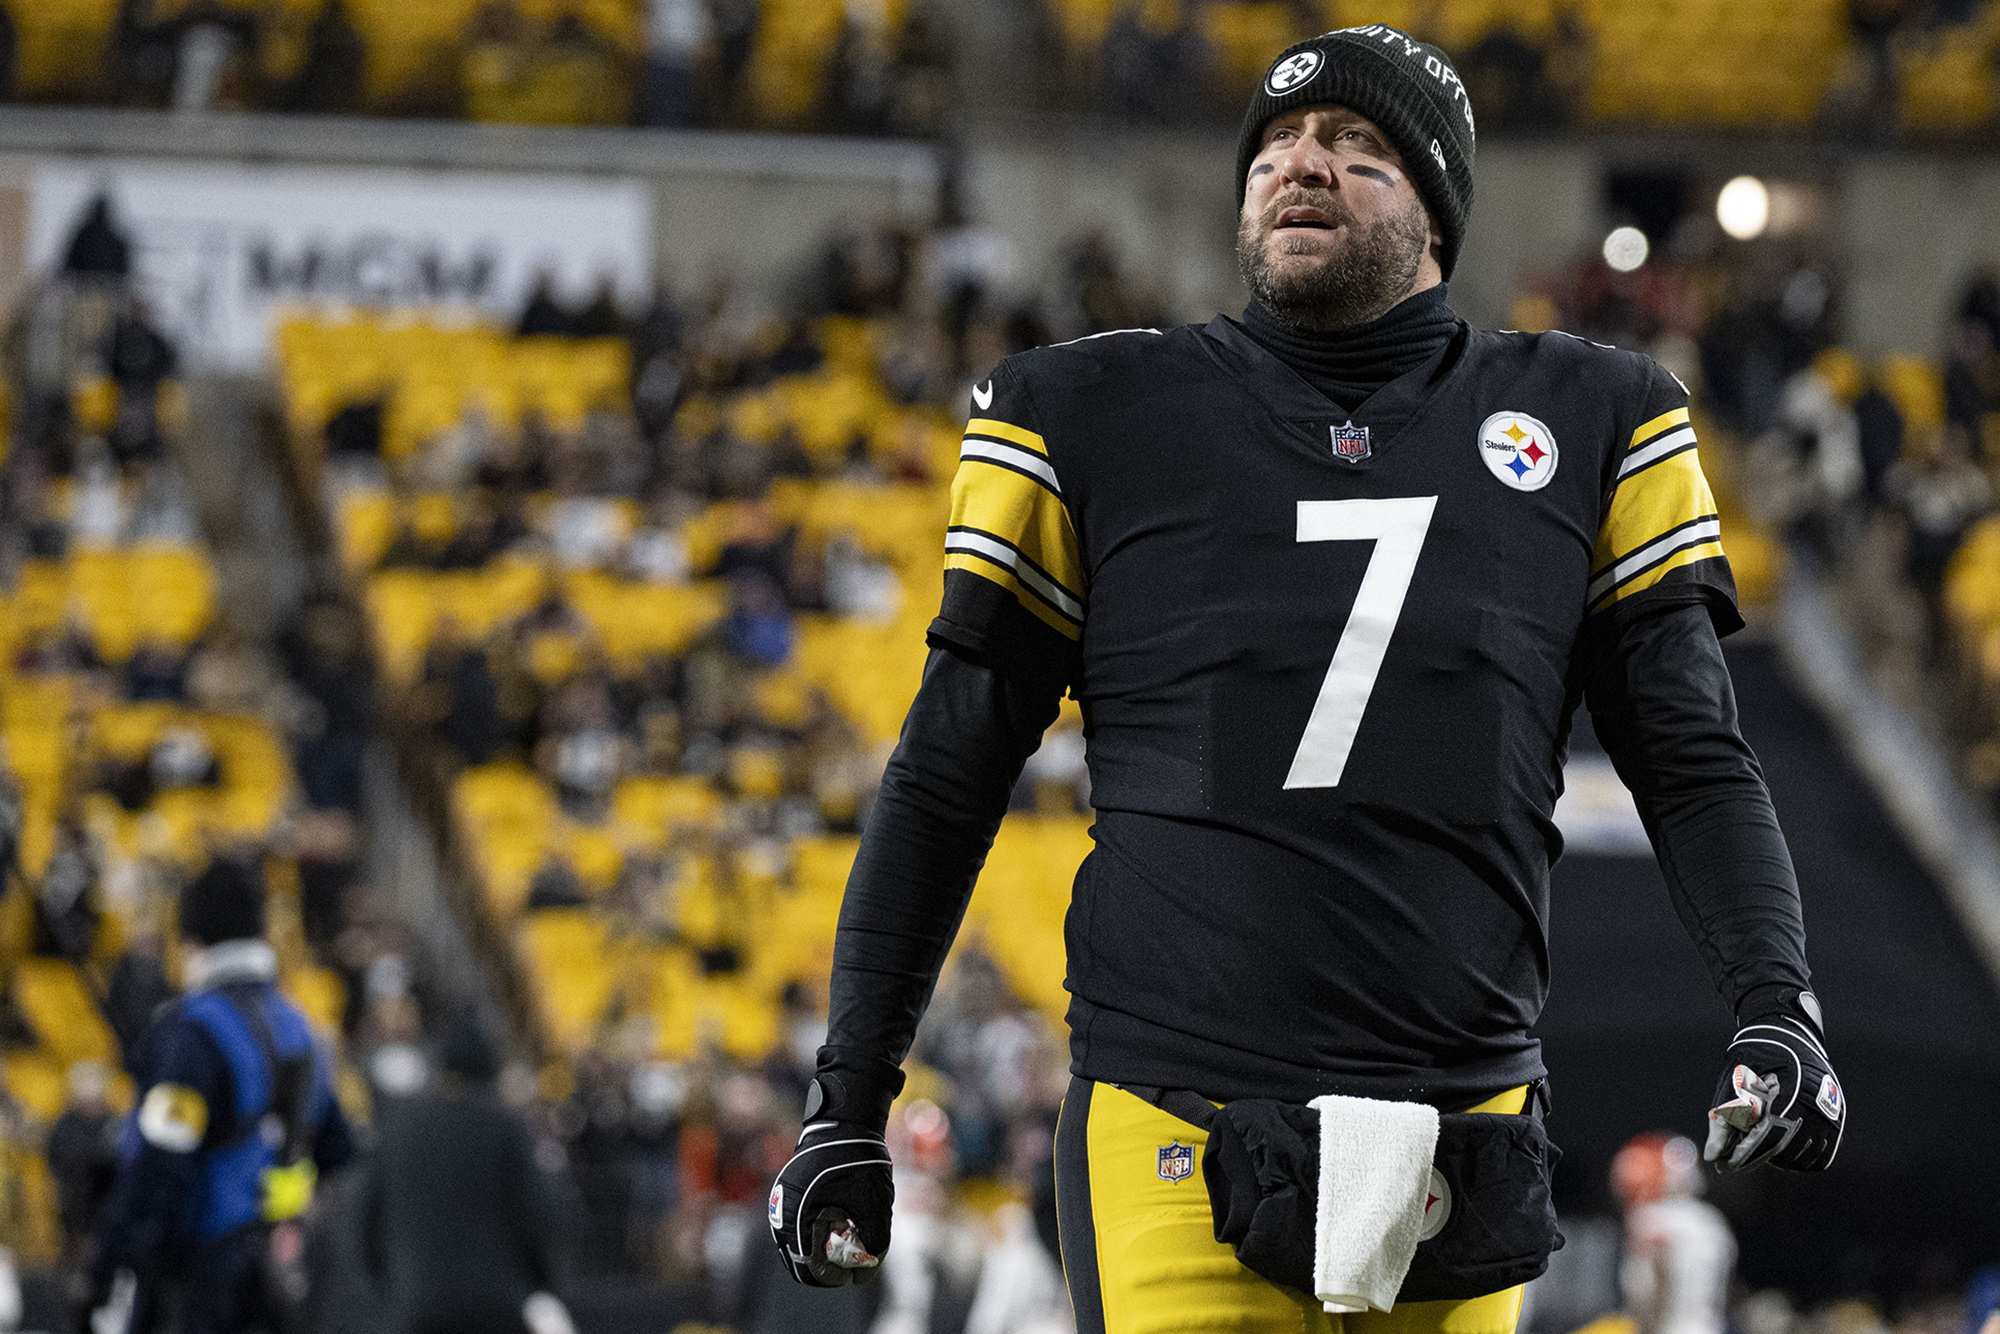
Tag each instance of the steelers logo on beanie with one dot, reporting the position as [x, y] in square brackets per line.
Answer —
[1407, 87]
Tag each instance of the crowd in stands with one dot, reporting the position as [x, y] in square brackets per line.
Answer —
[146, 737]
[1879, 67]
[1882, 471]
[774, 64]
[640, 596]
[646, 595]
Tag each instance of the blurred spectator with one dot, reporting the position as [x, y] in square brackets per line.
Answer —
[1940, 492]
[137, 990]
[66, 914]
[758, 629]
[542, 314]
[1020, 1283]
[1875, 24]
[1506, 77]
[1809, 466]
[10, 55]
[1678, 1250]
[326, 660]
[730, 1150]
[98, 248]
[679, 34]
[1972, 368]
[600, 317]
[582, 754]
[460, 1222]
[460, 695]
[330, 78]
[184, 1224]
[1152, 55]
[83, 1156]
[926, 1273]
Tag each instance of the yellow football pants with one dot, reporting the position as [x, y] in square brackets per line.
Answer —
[1140, 1252]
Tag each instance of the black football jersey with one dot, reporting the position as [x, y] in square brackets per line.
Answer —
[1327, 663]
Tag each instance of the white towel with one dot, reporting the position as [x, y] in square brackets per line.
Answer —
[1374, 1171]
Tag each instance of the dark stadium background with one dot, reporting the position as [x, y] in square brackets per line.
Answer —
[483, 463]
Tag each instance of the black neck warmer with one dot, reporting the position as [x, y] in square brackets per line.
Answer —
[1348, 365]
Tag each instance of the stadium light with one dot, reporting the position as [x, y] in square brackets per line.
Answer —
[1744, 208]
[1625, 249]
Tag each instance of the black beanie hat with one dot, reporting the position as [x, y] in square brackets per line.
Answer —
[224, 902]
[1407, 87]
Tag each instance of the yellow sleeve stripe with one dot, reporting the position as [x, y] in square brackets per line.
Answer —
[1697, 548]
[1006, 431]
[1664, 497]
[1018, 509]
[1678, 417]
[1004, 576]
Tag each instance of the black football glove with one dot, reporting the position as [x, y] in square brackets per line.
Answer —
[1778, 1102]
[829, 1208]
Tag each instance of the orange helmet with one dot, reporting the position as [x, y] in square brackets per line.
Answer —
[919, 1136]
[1655, 1166]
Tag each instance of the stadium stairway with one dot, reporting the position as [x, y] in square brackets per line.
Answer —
[1633, 1032]
[264, 556]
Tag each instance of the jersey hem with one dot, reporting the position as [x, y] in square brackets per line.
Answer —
[1125, 1049]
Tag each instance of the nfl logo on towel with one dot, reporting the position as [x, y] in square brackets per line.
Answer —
[1176, 1161]
[1350, 443]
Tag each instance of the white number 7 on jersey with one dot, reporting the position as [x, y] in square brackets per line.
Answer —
[1397, 528]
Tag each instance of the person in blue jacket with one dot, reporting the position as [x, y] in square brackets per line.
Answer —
[236, 1118]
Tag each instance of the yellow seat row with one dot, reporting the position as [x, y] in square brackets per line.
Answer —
[629, 620]
[581, 972]
[430, 375]
[122, 598]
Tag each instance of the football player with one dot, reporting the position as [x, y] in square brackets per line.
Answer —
[1329, 582]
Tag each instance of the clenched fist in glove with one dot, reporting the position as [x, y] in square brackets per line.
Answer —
[1778, 1102]
[829, 1208]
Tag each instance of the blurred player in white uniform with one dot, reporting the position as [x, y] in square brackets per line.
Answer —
[1679, 1252]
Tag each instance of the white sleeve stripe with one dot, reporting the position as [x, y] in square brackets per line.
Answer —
[978, 544]
[1666, 444]
[1693, 535]
[1106, 334]
[1025, 460]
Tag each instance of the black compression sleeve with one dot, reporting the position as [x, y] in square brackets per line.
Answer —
[1661, 700]
[943, 795]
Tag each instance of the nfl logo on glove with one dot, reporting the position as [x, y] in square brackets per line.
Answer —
[1176, 1161]
[1350, 443]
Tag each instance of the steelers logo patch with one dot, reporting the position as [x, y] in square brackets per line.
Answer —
[1292, 71]
[1518, 450]
[1437, 1206]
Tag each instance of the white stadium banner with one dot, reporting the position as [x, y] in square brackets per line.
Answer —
[217, 247]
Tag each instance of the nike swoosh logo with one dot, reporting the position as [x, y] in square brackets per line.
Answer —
[982, 394]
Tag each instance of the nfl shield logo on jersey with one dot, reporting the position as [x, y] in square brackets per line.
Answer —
[1176, 1161]
[1350, 442]
[1518, 450]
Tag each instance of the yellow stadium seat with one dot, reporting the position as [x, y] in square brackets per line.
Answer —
[321, 994]
[37, 1081]
[61, 44]
[564, 952]
[172, 592]
[650, 810]
[1917, 388]
[63, 1013]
